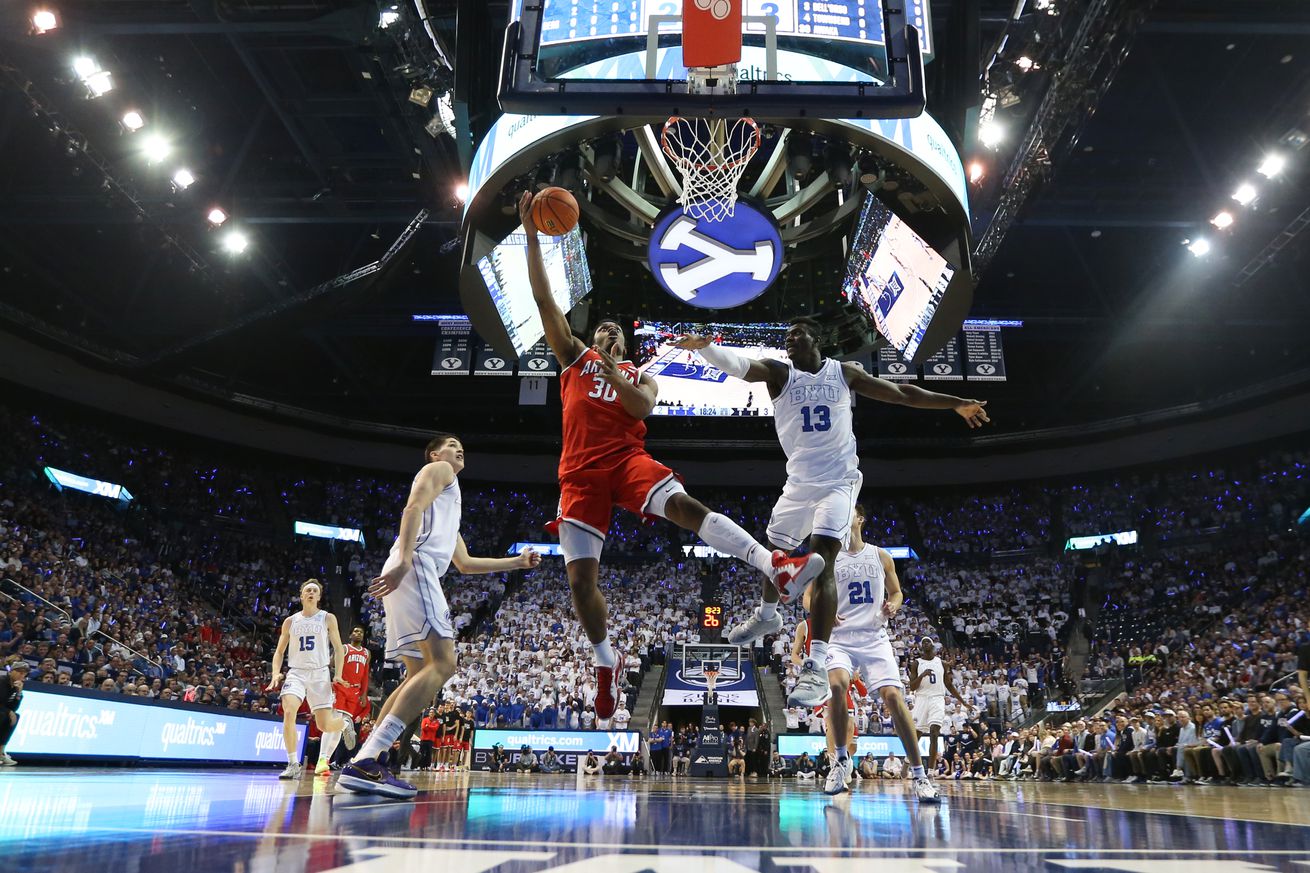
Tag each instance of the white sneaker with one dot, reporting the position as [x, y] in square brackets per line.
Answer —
[839, 777]
[6, 761]
[926, 791]
[755, 628]
[348, 734]
[812, 687]
[292, 772]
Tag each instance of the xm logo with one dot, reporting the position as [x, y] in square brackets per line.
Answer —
[715, 264]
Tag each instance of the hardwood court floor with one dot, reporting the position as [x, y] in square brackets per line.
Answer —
[247, 822]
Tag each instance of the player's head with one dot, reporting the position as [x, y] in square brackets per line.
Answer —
[926, 648]
[609, 338]
[357, 636]
[310, 592]
[857, 522]
[445, 447]
[802, 338]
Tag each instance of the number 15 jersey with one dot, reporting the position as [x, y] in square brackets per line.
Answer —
[598, 431]
[813, 419]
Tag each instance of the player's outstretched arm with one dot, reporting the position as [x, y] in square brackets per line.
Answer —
[862, 383]
[338, 650]
[561, 340]
[747, 369]
[283, 640]
[430, 481]
[466, 563]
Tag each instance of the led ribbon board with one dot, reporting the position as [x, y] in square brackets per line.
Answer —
[63, 479]
[329, 532]
[1122, 538]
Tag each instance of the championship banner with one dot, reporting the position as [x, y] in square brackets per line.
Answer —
[538, 361]
[452, 356]
[686, 686]
[986, 357]
[892, 366]
[945, 365]
[490, 362]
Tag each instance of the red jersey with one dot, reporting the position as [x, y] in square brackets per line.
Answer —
[597, 429]
[355, 670]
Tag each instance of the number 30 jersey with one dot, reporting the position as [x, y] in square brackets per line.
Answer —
[597, 429]
[813, 418]
[861, 589]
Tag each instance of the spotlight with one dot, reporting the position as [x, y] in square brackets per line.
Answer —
[216, 216]
[132, 121]
[1245, 194]
[800, 150]
[838, 159]
[183, 179]
[235, 242]
[156, 148]
[389, 16]
[99, 83]
[1025, 63]
[1222, 220]
[976, 172]
[991, 133]
[44, 20]
[1272, 165]
[84, 66]
[1200, 248]
[462, 192]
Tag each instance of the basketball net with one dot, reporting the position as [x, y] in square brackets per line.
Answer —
[711, 154]
[711, 677]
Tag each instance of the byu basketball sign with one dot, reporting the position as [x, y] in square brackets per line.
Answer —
[715, 264]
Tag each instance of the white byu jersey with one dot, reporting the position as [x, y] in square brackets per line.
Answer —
[439, 530]
[861, 590]
[934, 685]
[813, 418]
[308, 649]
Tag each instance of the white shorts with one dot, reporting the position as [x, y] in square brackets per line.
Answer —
[929, 711]
[314, 686]
[805, 508]
[417, 609]
[874, 661]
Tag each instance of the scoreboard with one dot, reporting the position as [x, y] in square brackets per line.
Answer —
[711, 618]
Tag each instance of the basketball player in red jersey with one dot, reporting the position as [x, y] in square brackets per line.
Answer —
[352, 694]
[604, 464]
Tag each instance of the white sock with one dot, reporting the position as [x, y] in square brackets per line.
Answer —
[819, 652]
[727, 536]
[767, 609]
[381, 739]
[328, 745]
[605, 656]
[917, 772]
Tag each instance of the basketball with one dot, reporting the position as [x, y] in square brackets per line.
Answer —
[554, 211]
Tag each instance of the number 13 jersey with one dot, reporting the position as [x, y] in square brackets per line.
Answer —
[598, 431]
[813, 418]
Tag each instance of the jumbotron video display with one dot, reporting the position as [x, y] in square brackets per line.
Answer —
[689, 386]
[894, 276]
[505, 272]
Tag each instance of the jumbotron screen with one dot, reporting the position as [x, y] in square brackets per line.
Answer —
[894, 276]
[688, 386]
[505, 272]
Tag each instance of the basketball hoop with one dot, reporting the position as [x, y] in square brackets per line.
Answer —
[711, 154]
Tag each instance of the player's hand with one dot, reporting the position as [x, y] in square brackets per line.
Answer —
[692, 342]
[609, 368]
[525, 215]
[275, 682]
[529, 558]
[341, 683]
[973, 413]
[888, 610]
[389, 581]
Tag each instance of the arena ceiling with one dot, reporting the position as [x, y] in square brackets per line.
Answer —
[293, 116]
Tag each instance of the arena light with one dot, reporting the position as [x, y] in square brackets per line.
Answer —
[216, 216]
[1272, 165]
[389, 16]
[156, 148]
[1200, 247]
[183, 179]
[1222, 220]
[462, 192]
[132, 121]
[99, 83]
[1025, 63]
[235, 242]
[43, 21]
[991, 133]
[1245, 194]
[976, 172]
[84, 66]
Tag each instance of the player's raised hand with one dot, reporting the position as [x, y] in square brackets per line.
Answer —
[525, 214]
[529, 558]
[609, 368]
[973, 413]
[692, 342]
[389, 581]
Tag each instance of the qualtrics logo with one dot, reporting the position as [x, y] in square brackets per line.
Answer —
[192, 733]
[63, 723]
[268, 741]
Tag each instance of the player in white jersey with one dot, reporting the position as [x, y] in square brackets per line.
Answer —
[812, 414]
[419, 630]
[930, 679]
[304, 642]
[868, 596]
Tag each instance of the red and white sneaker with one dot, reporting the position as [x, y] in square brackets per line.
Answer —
[607, 688]
[791, 576]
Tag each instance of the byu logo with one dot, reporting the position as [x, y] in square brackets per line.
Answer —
[715, 264]
[985, 369]
[495, 363]
[451, 363]
[537, 363]
[942, 369]
[896, 367]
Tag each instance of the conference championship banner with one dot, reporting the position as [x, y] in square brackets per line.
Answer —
[89, 724]
[452, 356]
[538, 361]
[490, 362]
[892, 366]
[686, 686]
[945, 365]
[986, 358]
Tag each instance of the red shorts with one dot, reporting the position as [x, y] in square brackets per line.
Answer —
[465, 746]
[587, 497]
[346, 699]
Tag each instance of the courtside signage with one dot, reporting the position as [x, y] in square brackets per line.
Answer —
[628, 742]
[792, 745]
[715, 264]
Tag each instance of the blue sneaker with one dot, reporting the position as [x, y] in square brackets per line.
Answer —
[372, 777]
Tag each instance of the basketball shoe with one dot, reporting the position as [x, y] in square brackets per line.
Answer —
[607, 688]
[839, 777]
[791, 576]
[373, 777]
[926, 791]
[755, 628]
[812, 687]
[291, 772]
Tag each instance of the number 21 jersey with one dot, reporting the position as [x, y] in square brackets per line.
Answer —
[813, 419]
[597, 429]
